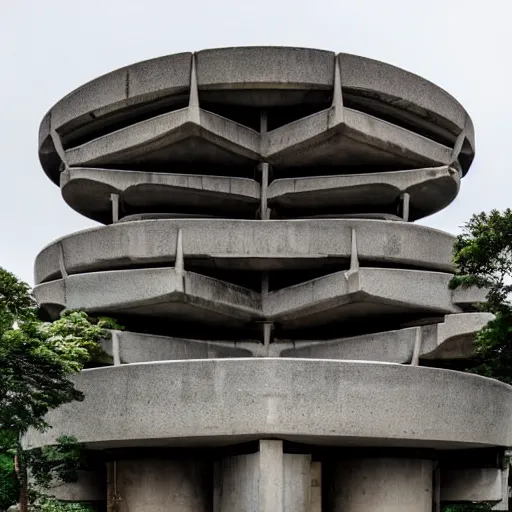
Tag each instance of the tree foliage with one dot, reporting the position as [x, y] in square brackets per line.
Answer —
[41, 502]
[36, 360]
[56, 464]
[483, 257]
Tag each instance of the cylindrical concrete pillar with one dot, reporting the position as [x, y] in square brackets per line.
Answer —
[381, 485]
[152, 485]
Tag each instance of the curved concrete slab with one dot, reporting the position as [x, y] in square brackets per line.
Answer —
[154, 293]
[88, 191]
[430, 190]
[245, 244]
[406, 91]
[140, 89]
[133, 347]
[218, 401]
[455, 336]
[184, 135]
[451, 339]
[264, 76]
[339, 297]
[357, 139]
[346, 296]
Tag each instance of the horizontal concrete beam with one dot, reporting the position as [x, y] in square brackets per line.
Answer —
[244, 244]
[318, 402]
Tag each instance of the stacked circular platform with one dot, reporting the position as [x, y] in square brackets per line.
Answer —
[259, 249]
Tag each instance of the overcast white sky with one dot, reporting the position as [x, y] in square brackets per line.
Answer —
[48, 48]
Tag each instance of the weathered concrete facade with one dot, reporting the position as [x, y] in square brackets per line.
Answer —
[288, 329]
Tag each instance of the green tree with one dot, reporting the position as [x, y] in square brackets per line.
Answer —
[36, 360]
[9, 487]
[483, 257]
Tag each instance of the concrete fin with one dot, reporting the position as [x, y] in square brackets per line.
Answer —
[264, 210]
[114, 199]
[193, 102]
[336, 114]
[62, 262]
[59, 148]
[179, 265]
[352, 275]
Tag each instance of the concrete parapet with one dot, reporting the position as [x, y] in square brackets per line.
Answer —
[215, 401]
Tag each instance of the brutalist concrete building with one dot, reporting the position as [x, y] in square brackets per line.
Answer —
[291, 337]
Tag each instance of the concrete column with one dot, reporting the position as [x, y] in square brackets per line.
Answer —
[381, 485]
[265, 481]
[316, 487]
[159, 485]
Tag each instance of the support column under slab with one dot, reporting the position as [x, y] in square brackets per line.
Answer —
[266, 481]
[380, 485]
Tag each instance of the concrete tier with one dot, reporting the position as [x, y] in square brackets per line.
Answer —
[321, 109]
[225, 401]
[169, 293]
[246, 245]
[451, 339]
[198, 137]
[89, 191]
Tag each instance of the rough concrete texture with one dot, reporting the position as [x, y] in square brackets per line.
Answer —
[262, 77]
[338, 297]
[89, 190]
[268, 480]
[471, 485]
[90, 486]
[430, 190]
[246, 245]
[259, 248]
[451, 339]
[363, 77]
[159, 485]
[384, 485]
[216, 401]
